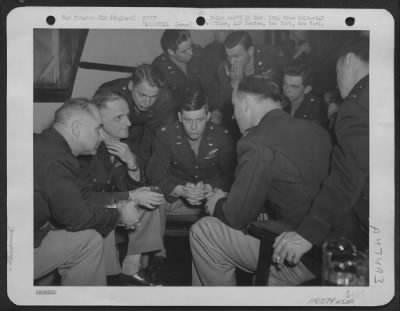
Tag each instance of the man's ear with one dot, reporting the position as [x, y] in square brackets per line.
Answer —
[307, 89]
[76, 128]
[170, 52]
[130, 85]
[250, 50]
[180, 116]
[208, 116]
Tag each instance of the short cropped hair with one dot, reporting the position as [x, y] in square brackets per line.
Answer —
[72, 108]
[147, 73]
[359, 47]
[299, 70]
[261, 86]
[172, 38]
[236, 38]
[103, 97]
[195, 100]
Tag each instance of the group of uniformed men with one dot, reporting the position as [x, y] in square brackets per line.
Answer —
[163, 141]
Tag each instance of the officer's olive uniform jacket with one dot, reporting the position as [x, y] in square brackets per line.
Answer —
[106, 182]
[58, 194]
[177, 81]
[174, 163]
[281, 164]
[144, 124]
[343, 203]
[311, 109]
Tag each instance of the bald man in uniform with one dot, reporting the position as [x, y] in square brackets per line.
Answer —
[68, 228]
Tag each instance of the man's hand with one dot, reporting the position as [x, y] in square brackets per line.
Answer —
[129, 212]
[212, 199]
[216, 117]
[235, 71]
[123, 152]
[290, 246]
[194, 194]
[147, 198]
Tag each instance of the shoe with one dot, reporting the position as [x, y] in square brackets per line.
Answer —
[142, 278]
[158, 269]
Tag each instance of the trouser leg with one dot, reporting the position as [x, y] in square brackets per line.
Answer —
[218, 250]
[144, 239]
[78, 256]
[111, 255]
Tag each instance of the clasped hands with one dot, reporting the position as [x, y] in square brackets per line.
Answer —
[194, 193]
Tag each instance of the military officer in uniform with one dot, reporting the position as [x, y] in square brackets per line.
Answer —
[179, 63]
[150, 104]
[341, 208]
[281, 161]
[192, 158]
[302, 103]
[244, 59]
[114, 175]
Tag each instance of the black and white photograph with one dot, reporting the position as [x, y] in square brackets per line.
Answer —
[222, 153]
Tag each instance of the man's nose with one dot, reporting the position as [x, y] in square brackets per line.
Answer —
[127, 121]
[194, 125]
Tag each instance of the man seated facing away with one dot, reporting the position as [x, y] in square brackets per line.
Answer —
[191, 158]
[243, 58]
[179, 63]
[68, 228]
[341, 207]
[303, 104]
[281, 160]
[114, 174]
[150, 105]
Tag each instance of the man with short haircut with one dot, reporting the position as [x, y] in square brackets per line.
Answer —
[114, 175]
[150, 104]
[281, 164]
[243, 58]
[179, 63]
[192, 158]
[67, 227]
[341, 208]
[303, 103]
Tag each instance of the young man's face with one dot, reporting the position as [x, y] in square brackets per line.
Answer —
[293, 88]
[116, 121]
[194, 122]
[184, 52]
[144, 95]
[238, 54]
